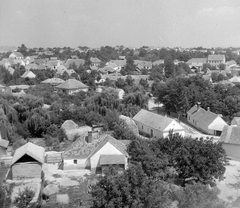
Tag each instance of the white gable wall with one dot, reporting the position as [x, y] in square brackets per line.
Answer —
[107, 149]
[157, 133]
[218, 124]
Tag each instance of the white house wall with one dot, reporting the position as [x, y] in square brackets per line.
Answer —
[107, 149]
[69, 164]
[161, 134]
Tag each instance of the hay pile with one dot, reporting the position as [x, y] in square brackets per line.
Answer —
[131, 124]
[72, 130]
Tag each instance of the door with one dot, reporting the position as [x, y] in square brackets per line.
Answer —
[151, 133]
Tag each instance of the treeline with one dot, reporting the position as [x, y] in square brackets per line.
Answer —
[179, 94]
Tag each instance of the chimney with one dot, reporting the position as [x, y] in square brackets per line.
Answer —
[208, 108]
[89, 137]
[198, 105]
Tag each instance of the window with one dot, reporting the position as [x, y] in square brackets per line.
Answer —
[75, 161]
[142, 127]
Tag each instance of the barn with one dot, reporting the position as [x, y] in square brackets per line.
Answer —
[27, 162]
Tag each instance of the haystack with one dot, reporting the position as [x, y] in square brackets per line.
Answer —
[130, 123]
[72, 130]
[50, 189]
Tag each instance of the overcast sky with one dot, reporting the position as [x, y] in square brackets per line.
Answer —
[133, 23]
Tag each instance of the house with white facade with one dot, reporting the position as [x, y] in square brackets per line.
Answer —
[155, 125]
[96, 152]
[215, 60]
[205, 120]
[16, 55]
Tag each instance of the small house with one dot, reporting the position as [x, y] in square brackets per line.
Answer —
[27, 162]
[72, 86]
[96, 152]
[215, 60]
[155, 125]
[16, 55]
[95, 62]
[205, 120]
[231, 141]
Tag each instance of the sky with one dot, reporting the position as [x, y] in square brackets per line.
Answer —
[132, 23]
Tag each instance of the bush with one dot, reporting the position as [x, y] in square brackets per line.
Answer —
[24, 198]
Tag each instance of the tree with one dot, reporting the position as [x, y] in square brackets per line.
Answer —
[127, 190]
[222, 67]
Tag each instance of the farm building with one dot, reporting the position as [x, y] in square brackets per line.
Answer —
[95, 152]
[155, 125]
[27, 162]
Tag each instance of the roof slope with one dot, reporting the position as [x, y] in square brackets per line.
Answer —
[230, 135]
[53, 81]
[29, 74]
[153, 120]
[81, 149]
[112, 159]
[216, 57]
[4, 143]
[235, 79]
[203, 116]
[30, 149]
[116, 143]
[197, 60]
[237, 120]
[72, 84]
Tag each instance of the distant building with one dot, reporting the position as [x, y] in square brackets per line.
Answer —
[216, 60]
[72, 86]
[28, 74]
[95, 62]
[197, 63]
[16, 55]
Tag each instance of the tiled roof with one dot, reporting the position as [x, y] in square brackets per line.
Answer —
[78, 62]
[158, 62]
[95, 60]
[193, 109]
[116, 143]
[197, 60]
[153, 120]
[230, 135]
[235, 79]
[29, 74]
[4, 143]
[53, 81]
[30, 149]
[81, 149]
[112, 159]
[216, 57]
[17, 54]
[72, 84]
